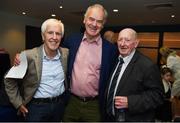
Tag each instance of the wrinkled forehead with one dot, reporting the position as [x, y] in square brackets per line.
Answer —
[128, 33]
[53, 25]
[96, 13]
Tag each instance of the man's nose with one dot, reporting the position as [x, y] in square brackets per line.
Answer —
[54, 35]
[122, 42]
[94, 23]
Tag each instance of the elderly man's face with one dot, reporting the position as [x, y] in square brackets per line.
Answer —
[52, 36]
[127, 42]
[94, 22]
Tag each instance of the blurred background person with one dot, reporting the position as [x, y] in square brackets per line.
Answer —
[167, 79]
[110, 36]
[173, 62]
[164, 112]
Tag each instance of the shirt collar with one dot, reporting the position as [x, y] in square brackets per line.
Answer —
[96, 40]
[128, 58]
[58, 55]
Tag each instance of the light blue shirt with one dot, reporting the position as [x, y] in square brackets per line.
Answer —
[52, 79]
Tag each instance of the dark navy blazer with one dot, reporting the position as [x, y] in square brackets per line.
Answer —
[109, 53]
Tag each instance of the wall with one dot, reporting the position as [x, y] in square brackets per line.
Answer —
[12, 31]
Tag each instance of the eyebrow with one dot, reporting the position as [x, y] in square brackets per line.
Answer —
[99, 21]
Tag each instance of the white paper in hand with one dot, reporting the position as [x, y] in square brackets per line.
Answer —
[19, 71]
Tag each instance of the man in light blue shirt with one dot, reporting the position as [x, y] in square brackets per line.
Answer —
[50, 74]
[40, 95]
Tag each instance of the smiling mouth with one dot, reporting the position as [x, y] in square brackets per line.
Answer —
[123, 48]
[92, 30]
[53, 42]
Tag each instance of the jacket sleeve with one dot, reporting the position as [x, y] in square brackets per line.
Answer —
[12, 89]
[152, 93]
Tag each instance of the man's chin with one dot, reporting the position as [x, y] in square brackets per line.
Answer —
[54, 48]
[123, 53]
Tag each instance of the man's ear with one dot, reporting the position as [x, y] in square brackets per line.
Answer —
[84, 20]
[136, 43]
[42, 36]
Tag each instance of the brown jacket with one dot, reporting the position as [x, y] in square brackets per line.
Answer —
[21, 91]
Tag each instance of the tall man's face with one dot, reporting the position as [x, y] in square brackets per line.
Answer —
[94, 22]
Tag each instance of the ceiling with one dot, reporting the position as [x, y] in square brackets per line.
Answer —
[131, 12]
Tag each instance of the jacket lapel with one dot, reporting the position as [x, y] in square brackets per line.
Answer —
[74, 50]
[64, 56]
[127, 72]
[38, 61]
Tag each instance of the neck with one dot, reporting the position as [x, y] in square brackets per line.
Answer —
[91, 38]
[50, 53]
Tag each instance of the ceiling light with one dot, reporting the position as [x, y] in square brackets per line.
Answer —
[172, 16]
[60, 7]
[24, 13]
[53, 15]
[115, 10]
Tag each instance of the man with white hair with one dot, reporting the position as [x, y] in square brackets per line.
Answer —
[39, 96]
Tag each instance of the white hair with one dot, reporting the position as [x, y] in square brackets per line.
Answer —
[48, 21]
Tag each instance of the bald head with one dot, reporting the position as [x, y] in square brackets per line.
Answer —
[129, 31]
[127, 41]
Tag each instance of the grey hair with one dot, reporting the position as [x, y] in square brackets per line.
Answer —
[97, 6]
[45, 23]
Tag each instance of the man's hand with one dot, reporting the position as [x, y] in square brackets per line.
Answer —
[23, 110]
[121, 102]
[17, 60]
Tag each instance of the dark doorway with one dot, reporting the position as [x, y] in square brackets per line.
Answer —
[33, 37]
